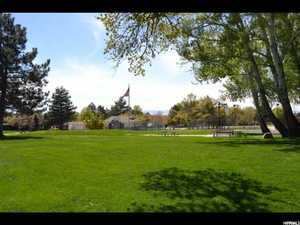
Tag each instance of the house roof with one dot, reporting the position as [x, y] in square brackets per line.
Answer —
[122, 119]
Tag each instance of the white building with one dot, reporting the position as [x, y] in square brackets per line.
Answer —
[76, 126]
[122, 122]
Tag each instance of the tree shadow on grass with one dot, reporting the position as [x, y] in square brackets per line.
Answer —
[205, 191]
[263, 142]
[295, 149]
[19, 137]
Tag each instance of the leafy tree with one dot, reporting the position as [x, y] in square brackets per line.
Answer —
[138, 37]
[218, 45]
[158, 120]
[102, 111]
[205, 112]
[61, 109]
[21, 80]
[192, 112]
[86, 114]
[228, 48]
[144, 119]
[275, 54]
[22, 122]
[92, 120]
[173, 119]
[247, 116]
[137, 110]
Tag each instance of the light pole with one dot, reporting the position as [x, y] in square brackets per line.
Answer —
[234, 113]
[219, 104]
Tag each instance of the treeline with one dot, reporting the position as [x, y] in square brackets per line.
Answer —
[94, 116]
[205, 112]
[59, 110]
[210, 113]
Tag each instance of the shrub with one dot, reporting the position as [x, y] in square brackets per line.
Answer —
[94, 123]
[91, 119]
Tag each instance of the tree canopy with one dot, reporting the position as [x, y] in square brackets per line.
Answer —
[21, 80]
[61, 109]
[254, 52]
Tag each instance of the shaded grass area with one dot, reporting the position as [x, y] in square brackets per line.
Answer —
[14, 137]
[206, 190]
[115, 172]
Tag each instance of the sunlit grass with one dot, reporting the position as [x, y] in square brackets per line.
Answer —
[104, 171]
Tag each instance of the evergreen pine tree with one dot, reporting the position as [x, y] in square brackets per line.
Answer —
[102, 111]
[92, 106]
[21, 81]
[61, 109]
[119, 107]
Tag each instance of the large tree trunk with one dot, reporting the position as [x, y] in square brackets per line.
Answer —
[292, 123]
[265, 103]
[256, 74]
[266, 106]
[259, 111]
[1, 120]
[262, 123]
[3, 85]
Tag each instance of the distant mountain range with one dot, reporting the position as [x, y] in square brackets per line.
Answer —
[164, 112]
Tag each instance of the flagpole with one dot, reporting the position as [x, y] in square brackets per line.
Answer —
[129, 105]
[129, 96]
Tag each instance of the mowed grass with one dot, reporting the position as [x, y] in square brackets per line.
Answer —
[124, 171]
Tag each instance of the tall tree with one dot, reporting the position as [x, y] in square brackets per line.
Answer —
[102, 111]
[119, 107]
[91, 119]
[61, 109]
[137, 110]
[278, 71]
[21, 80]
[237, 88]
[92, 106]
[217, 45]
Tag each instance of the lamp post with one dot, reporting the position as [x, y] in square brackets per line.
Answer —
[219, 104]
[224, 121]
[234, 113]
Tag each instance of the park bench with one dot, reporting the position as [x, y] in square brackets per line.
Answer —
[223, 131]
[168, 133]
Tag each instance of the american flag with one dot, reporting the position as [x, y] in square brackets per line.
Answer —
[126, 93]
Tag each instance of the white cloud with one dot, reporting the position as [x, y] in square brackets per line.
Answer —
[169, 61]
[97, 30]
[92, 83]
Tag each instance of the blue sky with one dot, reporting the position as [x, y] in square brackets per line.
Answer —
[74, 43]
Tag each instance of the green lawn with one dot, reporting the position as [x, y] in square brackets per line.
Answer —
[121, 171]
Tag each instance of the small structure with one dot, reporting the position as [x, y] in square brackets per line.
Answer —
[115, 124]
[76, 126]
[122, 122]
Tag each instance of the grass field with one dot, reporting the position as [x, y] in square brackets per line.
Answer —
[122, 171]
